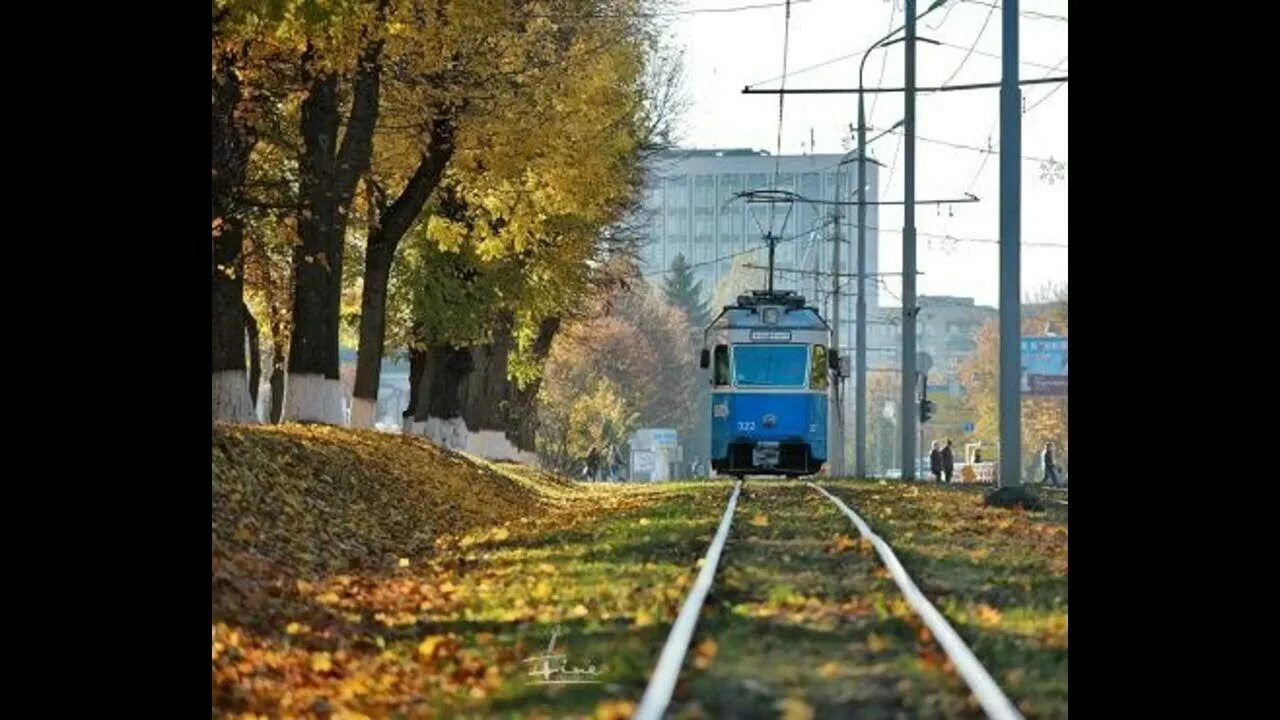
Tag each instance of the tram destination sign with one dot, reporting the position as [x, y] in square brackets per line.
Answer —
[768, 335]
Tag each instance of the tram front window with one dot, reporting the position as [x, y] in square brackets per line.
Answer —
[770, 365]
[721, 365]
[818, 368]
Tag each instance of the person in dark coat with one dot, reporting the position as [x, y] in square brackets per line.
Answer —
[948, 462]
[1050, 470]
[935, 463]
[593, 464]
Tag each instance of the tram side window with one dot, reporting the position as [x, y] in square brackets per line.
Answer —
[722, 365]
[818, 368]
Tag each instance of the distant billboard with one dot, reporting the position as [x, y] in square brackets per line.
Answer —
[1044, 366]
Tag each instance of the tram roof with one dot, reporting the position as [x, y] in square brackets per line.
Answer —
[746, 313]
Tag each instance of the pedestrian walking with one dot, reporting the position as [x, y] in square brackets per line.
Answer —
[935, 462]
[948, 462]
[1050, 469]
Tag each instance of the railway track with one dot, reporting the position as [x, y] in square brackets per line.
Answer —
[666, 673]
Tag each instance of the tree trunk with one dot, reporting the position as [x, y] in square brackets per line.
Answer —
[417, 367]
[277, 386]
[373, 309]
[523, 426]
[438, 409]
[464, 399]
[232, 142]
[384, 238]
[255, 356]
[328, 177]
[314, 393]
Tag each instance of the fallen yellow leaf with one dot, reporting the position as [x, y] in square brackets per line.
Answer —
[542, 590]
[404, 562]
[320, 662]
[705, 653]
[615, 710]
[842, 543]
[760, 520]
[987, 615]
[794, 708]
[876, 643]
[427, 648]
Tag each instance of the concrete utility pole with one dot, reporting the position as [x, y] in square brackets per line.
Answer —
[908, 426]
[835, 414]
[860, 361]
[1010, 252]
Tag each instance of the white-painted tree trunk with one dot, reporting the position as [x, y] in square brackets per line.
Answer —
[494, 445]
[231, 400]
[311, 397]
[363, 412]
[452, 433]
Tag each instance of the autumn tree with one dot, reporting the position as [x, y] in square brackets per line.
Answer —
[536, 115]
[233, 141]
[292, 58]
[740, 280]
[482, 65]
[638, 344]
[533, 205]
[269, 295]
[882, 431]
[1044, 419]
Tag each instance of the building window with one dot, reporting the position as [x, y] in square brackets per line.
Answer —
[678, 192]
[704, 192]
[731, 222]
[677, 222]
[678, 243]
[811, 185]
[704, 226]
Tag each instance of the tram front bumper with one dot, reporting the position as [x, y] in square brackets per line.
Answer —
[768, 457]
[766, 454]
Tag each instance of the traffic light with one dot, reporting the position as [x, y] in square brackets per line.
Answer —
[926, 410]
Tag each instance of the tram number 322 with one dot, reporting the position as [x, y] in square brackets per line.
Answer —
[744, 426]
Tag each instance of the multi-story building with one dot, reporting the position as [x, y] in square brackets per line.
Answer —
[691, 210]
[946, 329]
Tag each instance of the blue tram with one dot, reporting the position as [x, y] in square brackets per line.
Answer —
[770, 379]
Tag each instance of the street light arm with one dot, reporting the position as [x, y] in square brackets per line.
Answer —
[936, 4]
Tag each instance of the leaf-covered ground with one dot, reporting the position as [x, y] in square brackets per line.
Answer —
[999, 576]
[365, 575]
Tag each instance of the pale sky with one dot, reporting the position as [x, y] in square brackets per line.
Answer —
[726, 51]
